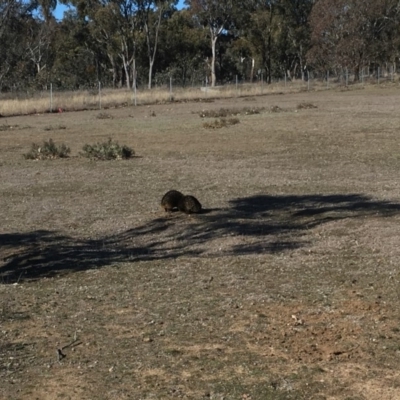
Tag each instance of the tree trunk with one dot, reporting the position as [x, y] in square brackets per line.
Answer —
[357, 73]
[114, 70]
[127, 75]
[134, 74]
[151, 63]
[252, 70]
[213, 74]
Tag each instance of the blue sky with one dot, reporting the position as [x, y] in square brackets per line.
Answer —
[59, 11]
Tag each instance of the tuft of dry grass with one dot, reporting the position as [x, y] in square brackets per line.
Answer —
[104, 115]
[224, 112]
[54, 128]
[6, 127]
[275, 109]
[221, 123]
[306, 106]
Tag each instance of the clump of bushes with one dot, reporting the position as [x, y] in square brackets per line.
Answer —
[6, 127]
[107, 151]
[53, 128]
[221, 123]
[227, 112]
[305, 106]
[48, 150]
[221, 113]
[275, 109]
[252, 110]
[104, 115]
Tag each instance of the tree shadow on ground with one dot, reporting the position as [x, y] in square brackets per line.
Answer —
[252, 225]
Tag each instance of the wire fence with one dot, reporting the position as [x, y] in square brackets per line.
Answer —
[100, 97]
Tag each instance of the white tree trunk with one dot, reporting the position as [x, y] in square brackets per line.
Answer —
[213, 45]
[151, 63]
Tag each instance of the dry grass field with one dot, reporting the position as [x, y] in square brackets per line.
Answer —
[287, 286]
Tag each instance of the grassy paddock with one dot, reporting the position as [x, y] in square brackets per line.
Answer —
[286, 287]
[40, 102]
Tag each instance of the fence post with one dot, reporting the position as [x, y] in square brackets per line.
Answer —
[379, 73]
[170, 88]
[327, 79]
[262, 81]
[99, 95]
[206, 85]
[236, 85]
[134, 88]
[308, 80]
[285, 79]
[51, 97]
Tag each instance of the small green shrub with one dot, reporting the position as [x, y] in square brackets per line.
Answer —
[107, 151]
[48, 150]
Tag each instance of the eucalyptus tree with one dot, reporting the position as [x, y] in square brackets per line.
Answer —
[119, 26]
[14, 16]
[182, 46]
[46, 8]
[353, 33]
[39, 40]
[278, 32]
[151, 14]
[79, 60]
[262, 31]
[295, 17]
[219, 17]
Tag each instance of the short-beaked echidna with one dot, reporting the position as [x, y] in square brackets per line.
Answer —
[189, 205]
[171, 200]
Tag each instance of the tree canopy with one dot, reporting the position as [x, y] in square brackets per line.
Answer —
[123, 43]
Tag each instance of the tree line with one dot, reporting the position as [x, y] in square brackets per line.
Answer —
[124, 43]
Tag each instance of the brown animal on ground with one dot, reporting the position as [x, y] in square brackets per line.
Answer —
[189, 205]
[171, 200]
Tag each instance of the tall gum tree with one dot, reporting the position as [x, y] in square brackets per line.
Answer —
[352, 33]
[278, 31]
[218, 16]
[152, 13]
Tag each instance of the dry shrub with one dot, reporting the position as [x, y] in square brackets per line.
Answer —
[227, 112]
[221, 123]
[275, 109]
[305, 106]
[252, 110]
[107, 151]
[221, 113]
[6, 127]
[53, 128]
[47, 151]
[104, 115]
